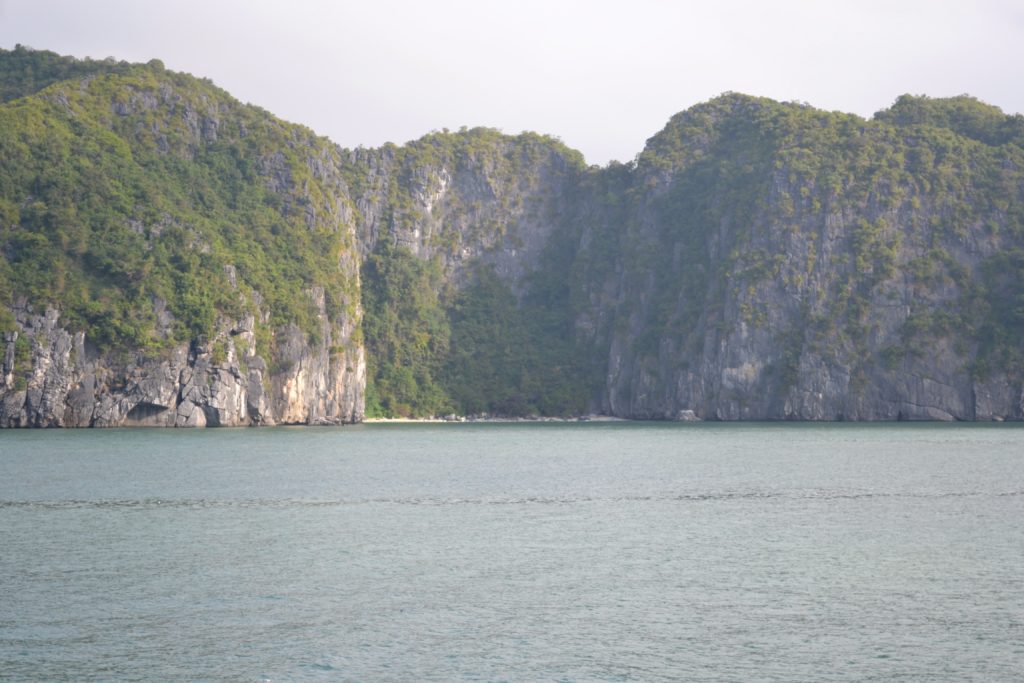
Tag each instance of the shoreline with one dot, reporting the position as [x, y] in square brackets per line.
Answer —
[463, 419]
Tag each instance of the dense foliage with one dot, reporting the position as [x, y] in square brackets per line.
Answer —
[964, 115]
[126, 187]
[24, 71]
[750, 185]
[141, 185]
[437, 346]
[406, 331]
[511, 358]
[435, 350]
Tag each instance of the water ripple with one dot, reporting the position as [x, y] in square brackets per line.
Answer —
[279, 503]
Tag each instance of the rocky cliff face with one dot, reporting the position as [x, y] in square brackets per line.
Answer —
[55, 378]
[471, 198]
[781, 263]
[174, 258]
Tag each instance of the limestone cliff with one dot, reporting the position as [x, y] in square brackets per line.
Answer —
[778, 262]
[170, 256]
[468, 198]
[55, 378]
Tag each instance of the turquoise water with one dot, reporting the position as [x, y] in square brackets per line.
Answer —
[561, 552]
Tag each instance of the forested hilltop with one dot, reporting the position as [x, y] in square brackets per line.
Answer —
[171, 256]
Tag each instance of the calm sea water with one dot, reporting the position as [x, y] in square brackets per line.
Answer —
[547, 552]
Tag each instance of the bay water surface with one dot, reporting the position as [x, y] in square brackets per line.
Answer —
[514, 552]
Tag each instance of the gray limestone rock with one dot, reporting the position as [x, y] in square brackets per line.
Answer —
[63, 385]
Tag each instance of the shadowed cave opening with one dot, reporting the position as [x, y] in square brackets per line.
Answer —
[144, 412]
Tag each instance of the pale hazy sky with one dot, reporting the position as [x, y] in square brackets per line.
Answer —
[603, 76]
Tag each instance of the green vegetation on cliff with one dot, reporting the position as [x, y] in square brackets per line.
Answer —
[406, 331]
[444, 332]
[131, 184]
[757, 259]
[435, 350]
[509, 358]
[24, 71]
[774, 249]
[963, 115]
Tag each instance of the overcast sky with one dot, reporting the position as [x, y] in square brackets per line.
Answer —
[603, 76]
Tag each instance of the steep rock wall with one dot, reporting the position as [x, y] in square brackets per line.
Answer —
[55, 378]
[750, 284]
[173, 257]
[471, 198]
